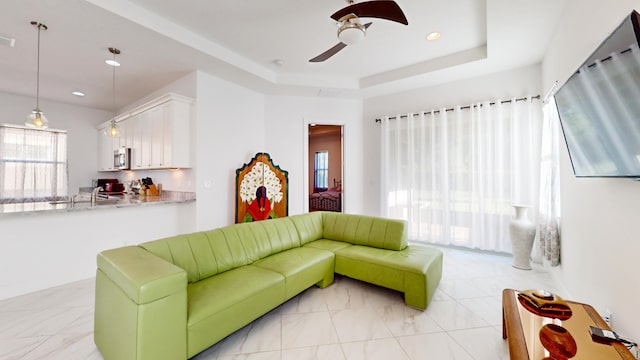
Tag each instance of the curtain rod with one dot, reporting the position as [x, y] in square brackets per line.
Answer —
[608, 58]
[554, 88]
[551, 92]
[461, 108]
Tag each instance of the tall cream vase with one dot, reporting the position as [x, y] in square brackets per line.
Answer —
[522, 232]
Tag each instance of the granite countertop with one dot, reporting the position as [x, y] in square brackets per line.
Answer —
[83, 204]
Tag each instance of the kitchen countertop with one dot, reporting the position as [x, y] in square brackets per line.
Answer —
[113, 201]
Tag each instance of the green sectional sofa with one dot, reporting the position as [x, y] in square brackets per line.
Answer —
[173, 298]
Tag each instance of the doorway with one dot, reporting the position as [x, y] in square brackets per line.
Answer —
[325, 167]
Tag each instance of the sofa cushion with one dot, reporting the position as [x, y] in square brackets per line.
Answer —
[413, 259]
[309, 226]
[281, 234]
[222, 304]
[331, 245]
[416, 270]
[376, 232]
[301, 267]
[201, 254]
[204, 254]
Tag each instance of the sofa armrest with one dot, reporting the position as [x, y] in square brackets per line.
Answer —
[144, 277]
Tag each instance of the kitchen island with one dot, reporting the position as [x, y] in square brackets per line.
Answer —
[50, 244]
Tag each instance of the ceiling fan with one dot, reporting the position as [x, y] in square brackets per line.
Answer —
[352, 31]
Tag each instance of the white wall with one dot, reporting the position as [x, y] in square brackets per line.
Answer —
[287, 120]
[79, 122]
[504, 85]
[600, 227]
[185, 86]
[229, 132]
[172, 180]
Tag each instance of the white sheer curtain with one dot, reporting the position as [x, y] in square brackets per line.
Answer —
[549, 209]
[453, 175]
[33, 164]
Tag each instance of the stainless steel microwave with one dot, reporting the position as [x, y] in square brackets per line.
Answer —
[122, 158]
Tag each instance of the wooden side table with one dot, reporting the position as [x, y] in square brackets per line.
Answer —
[522, 329]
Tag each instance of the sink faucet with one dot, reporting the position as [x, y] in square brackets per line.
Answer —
[94, 195]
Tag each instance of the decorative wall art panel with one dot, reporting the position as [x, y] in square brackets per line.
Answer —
[262, 190]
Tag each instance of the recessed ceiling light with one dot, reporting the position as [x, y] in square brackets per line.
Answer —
[433, 36]
[78, 93]
[112, 62]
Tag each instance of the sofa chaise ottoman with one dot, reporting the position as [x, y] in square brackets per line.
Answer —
[173, 298]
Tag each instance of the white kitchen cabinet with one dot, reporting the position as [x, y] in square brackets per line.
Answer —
[158, 134]
[135, 125]
[144, 127]
[125, 134]
[164, 132]
[176, 134]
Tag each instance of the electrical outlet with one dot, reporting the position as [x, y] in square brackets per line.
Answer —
[607, 317]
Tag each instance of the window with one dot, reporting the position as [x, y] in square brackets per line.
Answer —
[33, 164]
[321, 171]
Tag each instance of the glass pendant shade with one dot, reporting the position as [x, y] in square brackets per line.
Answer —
[37, 120]
[113, 129]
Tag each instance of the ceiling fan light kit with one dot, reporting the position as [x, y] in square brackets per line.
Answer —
[352, 31]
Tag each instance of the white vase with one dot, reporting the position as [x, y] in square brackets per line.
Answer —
[522, 232]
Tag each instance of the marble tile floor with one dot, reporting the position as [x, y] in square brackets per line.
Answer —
[349, 320]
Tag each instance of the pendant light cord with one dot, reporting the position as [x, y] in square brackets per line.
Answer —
[113, 63]
[40, 26]
[38, 73]
[113, 104]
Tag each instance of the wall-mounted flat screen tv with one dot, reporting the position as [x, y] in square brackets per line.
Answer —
[599, 107]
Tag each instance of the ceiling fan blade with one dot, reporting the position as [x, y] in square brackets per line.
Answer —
[334, 50]
[329, 53]
[381, 9]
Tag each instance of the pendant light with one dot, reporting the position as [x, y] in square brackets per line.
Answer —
[113, 129]
[36, 118]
